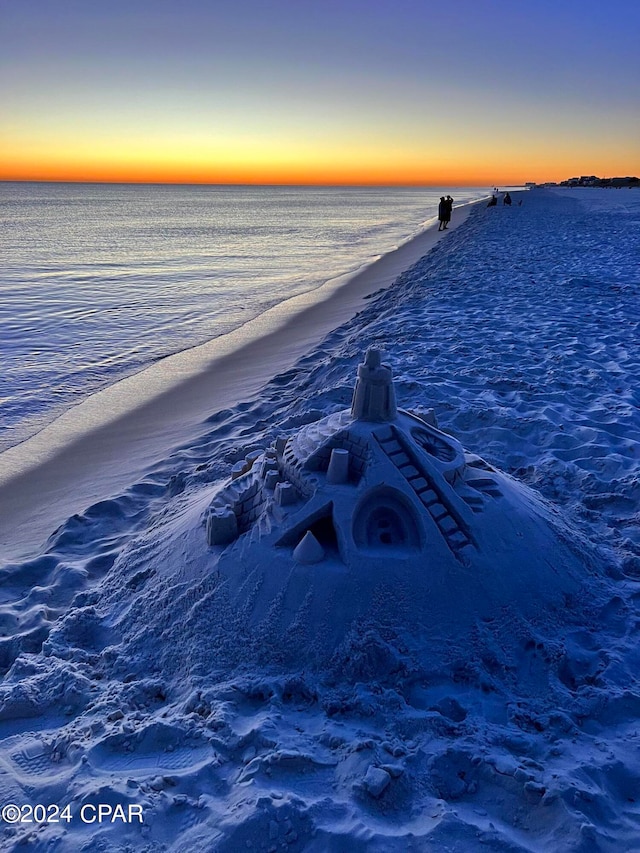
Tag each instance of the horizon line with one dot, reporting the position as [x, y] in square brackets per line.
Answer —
[258, 183]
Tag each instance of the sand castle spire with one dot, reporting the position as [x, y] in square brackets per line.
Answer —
[374, 397]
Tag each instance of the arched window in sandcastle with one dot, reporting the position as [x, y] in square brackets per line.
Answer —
[384, 520]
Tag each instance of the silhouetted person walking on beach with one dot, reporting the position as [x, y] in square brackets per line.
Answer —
[492, 201]
[442, 213]
[507, 199]
[449, 203]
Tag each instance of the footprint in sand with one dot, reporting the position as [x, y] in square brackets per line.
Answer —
[157, 747]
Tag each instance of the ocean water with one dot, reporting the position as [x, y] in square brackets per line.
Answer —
[98, 281]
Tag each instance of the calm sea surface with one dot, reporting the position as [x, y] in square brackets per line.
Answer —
[97, 281]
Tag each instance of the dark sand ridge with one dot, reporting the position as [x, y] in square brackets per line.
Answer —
[106, 443]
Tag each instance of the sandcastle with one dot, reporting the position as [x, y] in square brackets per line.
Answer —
[373, 506]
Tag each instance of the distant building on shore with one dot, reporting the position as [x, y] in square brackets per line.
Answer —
[594, 181]
[589, 181]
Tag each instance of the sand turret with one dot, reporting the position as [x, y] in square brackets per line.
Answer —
[374, 397]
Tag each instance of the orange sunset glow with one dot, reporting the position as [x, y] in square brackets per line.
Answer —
[95, 96]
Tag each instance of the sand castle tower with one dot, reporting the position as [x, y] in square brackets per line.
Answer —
[375, 504]
[374, 397]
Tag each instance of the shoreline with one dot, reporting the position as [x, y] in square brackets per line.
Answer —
[84, 456]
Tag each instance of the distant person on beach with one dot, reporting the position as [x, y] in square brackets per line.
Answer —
[449, 202]
[506, 199]
[442, 213]
[492, 201]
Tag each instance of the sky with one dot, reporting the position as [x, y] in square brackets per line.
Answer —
[477, 92]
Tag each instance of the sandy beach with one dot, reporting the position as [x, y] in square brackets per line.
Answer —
[131, 676]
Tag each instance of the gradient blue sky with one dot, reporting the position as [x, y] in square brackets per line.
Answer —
[410, 92]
